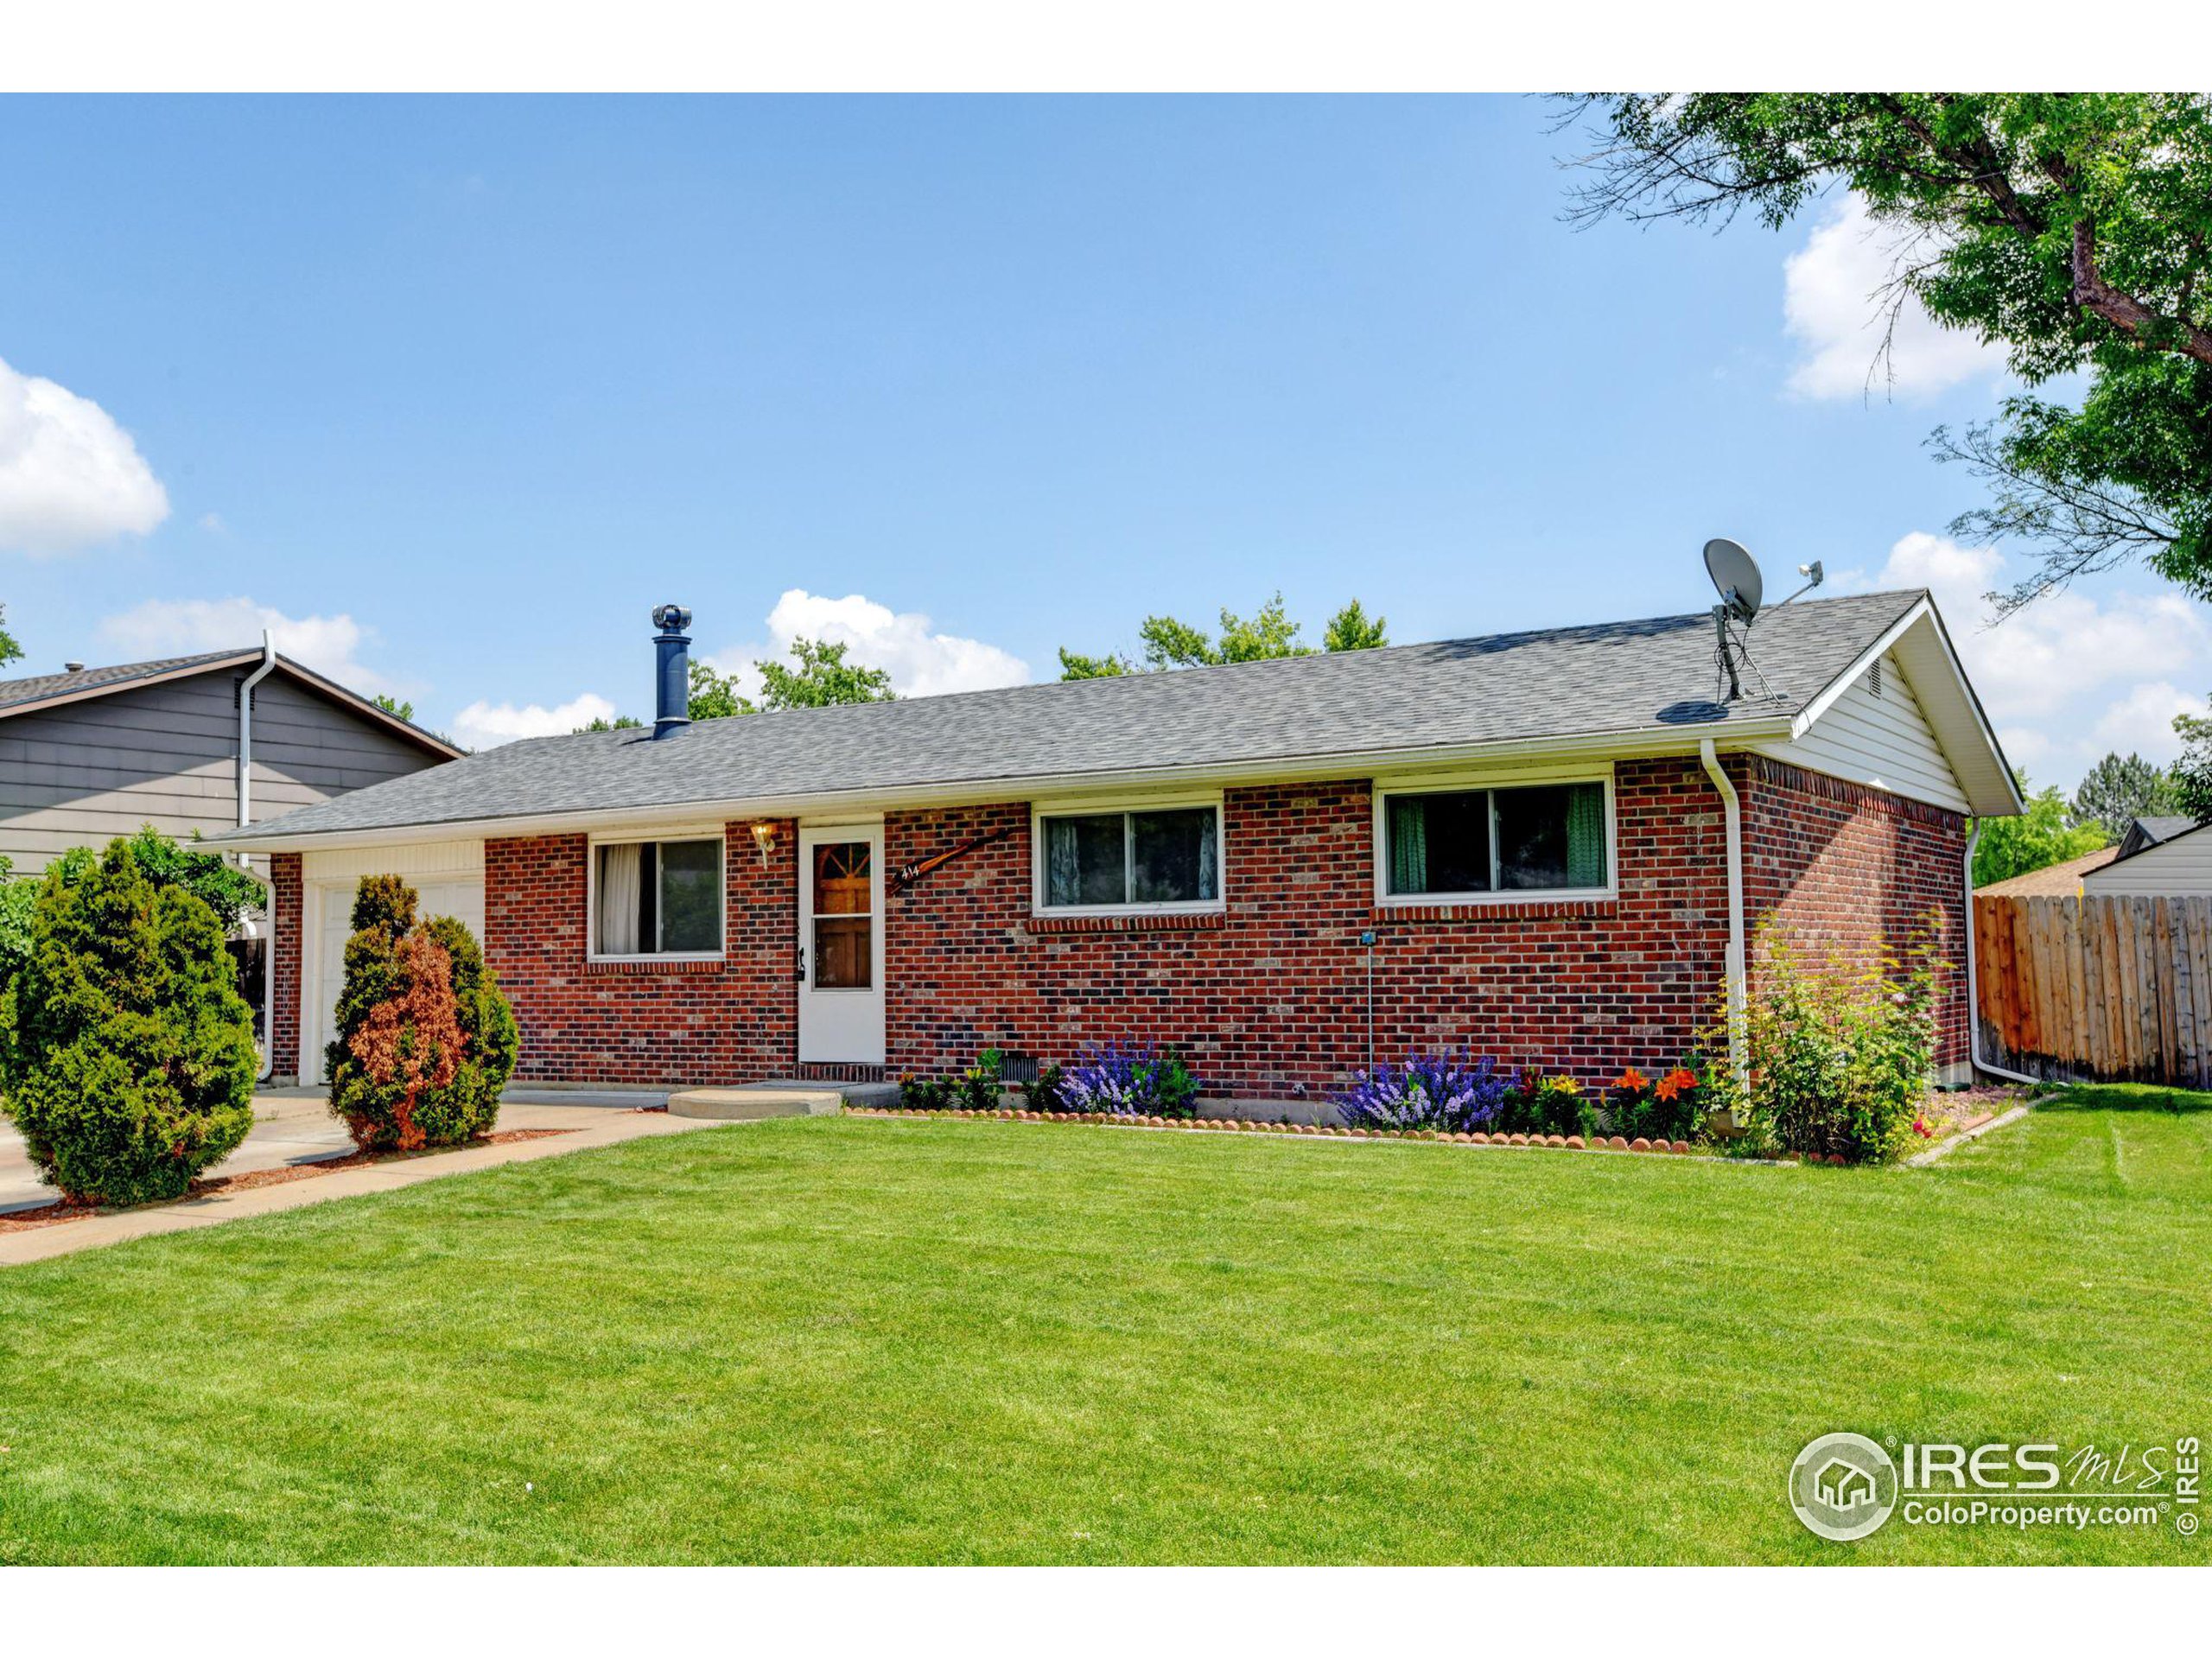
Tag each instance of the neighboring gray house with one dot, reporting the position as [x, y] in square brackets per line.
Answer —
[92, 753]
[2165, 856]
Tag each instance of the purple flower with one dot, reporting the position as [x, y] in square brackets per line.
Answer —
[1428, 1091]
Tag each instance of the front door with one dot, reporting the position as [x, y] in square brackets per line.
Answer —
[841, 945]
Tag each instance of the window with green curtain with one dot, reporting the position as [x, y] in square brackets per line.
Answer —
[1585, 836]
[1408, 829]
[1536, 837]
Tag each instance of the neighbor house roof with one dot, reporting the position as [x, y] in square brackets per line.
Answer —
[2053, 881]
[1646, 687]
[39, 692]
[2146, 833]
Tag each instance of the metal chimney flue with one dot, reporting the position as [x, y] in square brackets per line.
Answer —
[672, 670]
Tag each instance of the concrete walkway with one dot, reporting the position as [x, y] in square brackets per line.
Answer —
[294, 1127]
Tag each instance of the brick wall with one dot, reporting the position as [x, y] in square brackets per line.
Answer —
[284, 1015]
[733, 1020]
[1844, 873]
[1270, 997]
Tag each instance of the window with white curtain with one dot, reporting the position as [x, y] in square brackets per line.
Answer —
[1148, 859]
[656, 898]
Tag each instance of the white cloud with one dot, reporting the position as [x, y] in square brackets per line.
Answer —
[921, 662]
[487, 725]
[2070, 676]
[2143, 722]
[1833, 307]
[70, 477]
[177, 627]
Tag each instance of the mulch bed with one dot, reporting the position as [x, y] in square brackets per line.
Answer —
[67, 1210]
[1954, 1111]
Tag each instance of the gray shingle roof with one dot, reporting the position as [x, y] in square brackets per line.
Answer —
[1655, 676]
[40, 687]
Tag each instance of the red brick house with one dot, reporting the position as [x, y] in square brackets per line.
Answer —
[1551, 846]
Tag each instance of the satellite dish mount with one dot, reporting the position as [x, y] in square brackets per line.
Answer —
[1736, 576]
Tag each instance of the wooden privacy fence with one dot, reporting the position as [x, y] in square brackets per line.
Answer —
[2116, 989]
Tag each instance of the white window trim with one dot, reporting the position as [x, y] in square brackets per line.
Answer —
[1041, 811]
[1518, 898]
[718, 834]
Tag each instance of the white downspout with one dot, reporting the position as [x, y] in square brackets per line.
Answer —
[1974, 1000]
[1738, 999]
[245, 860]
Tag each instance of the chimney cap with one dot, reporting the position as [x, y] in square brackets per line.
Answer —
[72, 668]
[671, 619]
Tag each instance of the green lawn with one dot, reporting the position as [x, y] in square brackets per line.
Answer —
[865, 1340]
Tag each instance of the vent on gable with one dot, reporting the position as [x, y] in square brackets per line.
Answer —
[1874, 678]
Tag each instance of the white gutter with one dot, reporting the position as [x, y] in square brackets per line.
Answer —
[1363, 763]
[245, 862]
[1738, 999]
[1974, 1000]
[246, 727]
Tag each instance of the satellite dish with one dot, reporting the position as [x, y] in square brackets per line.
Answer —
[1736, 574]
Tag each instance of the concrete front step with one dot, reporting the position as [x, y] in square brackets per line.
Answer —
[779, 1099]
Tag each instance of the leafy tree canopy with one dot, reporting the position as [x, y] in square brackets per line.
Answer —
[816, 676]
[2117, 790]
[9, 650]
[392, 705]
[2073, 228]
[822, 677]
[165, 862]
[1269, 632]
[2043, 835]
[2192, 773]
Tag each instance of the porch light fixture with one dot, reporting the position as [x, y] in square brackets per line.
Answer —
[764, 837]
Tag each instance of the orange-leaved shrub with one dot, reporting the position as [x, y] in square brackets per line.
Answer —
[425, 1040]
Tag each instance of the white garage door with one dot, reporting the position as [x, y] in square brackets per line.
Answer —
[461, 899]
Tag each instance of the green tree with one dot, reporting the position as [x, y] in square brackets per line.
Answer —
[2117, 790]
[2192, 773]
[1351, 629]
[426, 1041]
[602, 723]
[9, 650]
[392, 705]
[1268, 633]
[2043, 835]
[126, 1053]
[822, 677]
[2075, 229]
[715, 697]
[17, 900]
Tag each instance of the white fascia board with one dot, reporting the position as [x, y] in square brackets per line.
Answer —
[1610, 745]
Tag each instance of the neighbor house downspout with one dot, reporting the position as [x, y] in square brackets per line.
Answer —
[245, 860]
[1974, 998]
[1738, 999]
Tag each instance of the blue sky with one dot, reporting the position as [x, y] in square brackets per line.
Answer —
[454, 392]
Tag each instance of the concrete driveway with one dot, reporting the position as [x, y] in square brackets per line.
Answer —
[294, 1125]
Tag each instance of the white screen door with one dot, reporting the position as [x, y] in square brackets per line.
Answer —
[841, 945]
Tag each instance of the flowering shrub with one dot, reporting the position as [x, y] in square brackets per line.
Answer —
[1840, 1061]
[1673, 1107]
[1537, 1104]
[1427, 1092]
[1136, 1082]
